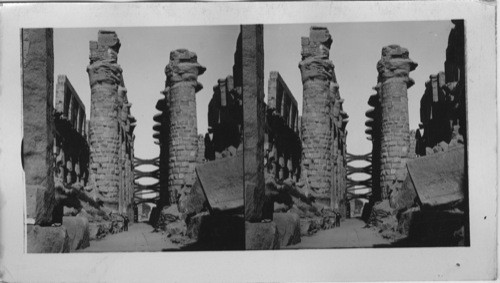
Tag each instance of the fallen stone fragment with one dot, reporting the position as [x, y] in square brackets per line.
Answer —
[223, 193]
[78, 232]
[288, 225]
[262, 236]
[47, 239]
[439, 179]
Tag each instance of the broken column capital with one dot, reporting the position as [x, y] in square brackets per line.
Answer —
[316, 68]
[106, 47]
[184, 68]
[395, 65]
[103, 67]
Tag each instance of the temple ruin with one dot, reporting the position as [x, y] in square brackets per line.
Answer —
[323, 122]
[422, 172]
[111, 127]
[263, 176]
[80, 181]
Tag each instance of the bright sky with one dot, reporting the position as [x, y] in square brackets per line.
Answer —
[355, 51]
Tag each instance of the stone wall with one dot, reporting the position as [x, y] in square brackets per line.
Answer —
[225, 118]
[71, 148]
[393, 81]
[38, 123]
[283, 148]
[442, 106]
[111, 127]
[181, 86]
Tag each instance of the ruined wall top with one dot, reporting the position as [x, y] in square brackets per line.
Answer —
[395, 64]
[106, 47]
[317, 44]
[315, 53]
[183, 67]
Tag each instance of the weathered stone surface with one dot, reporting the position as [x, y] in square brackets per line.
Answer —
[217, 232]
[78, 232]
[289, 228]
[439, 178]
[404, 196]
[47, 239]
[323, 123]
[104, 76]
[193, 200]
[182, 73]
[38, 139]
[176, 228]
[393, 81]
[283, 147]
[252, 58]
[405, 220]
[98, 230]
[221, 180]
[262, 236]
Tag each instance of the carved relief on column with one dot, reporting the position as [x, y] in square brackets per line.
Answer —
[317, 73]
[393, 81]
[182, 73]
[105, 76]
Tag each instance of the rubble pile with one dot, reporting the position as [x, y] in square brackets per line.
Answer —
[290, 197]
[429, 209]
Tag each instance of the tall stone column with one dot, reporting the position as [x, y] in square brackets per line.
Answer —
[105, 76]
[252, 58]
[393, 81]
[38, 123]
[182, 73]
[317, 74]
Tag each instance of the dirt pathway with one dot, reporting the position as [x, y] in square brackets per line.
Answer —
[350, 234]
[138, 238]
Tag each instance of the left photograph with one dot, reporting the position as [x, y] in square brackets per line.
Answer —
[126, 148]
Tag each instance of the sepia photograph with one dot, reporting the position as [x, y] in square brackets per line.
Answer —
[251, 137]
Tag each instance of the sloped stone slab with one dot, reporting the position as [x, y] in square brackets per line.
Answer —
[222, 183]
[439, 178]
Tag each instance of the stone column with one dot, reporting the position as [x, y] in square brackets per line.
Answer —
[317, 73]
[105, 76]
[38, 123]
[252, 54]
[182, 73]
[393, 81]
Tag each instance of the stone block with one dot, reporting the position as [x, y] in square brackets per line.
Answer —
[289, 228]
[221, 180]
[38, 139]
[176, 228]
[403, 196]
[439, 178]
[262, 236]
[78, 232]
[217, 232]
[47, 239]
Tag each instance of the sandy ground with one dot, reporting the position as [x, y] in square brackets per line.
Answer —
[138, 238]
[350, 234]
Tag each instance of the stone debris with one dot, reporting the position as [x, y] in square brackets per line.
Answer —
[78, 232]
[262, 176]
[47, 239]
[323, 123]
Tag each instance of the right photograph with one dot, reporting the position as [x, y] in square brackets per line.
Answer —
[354, 135]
